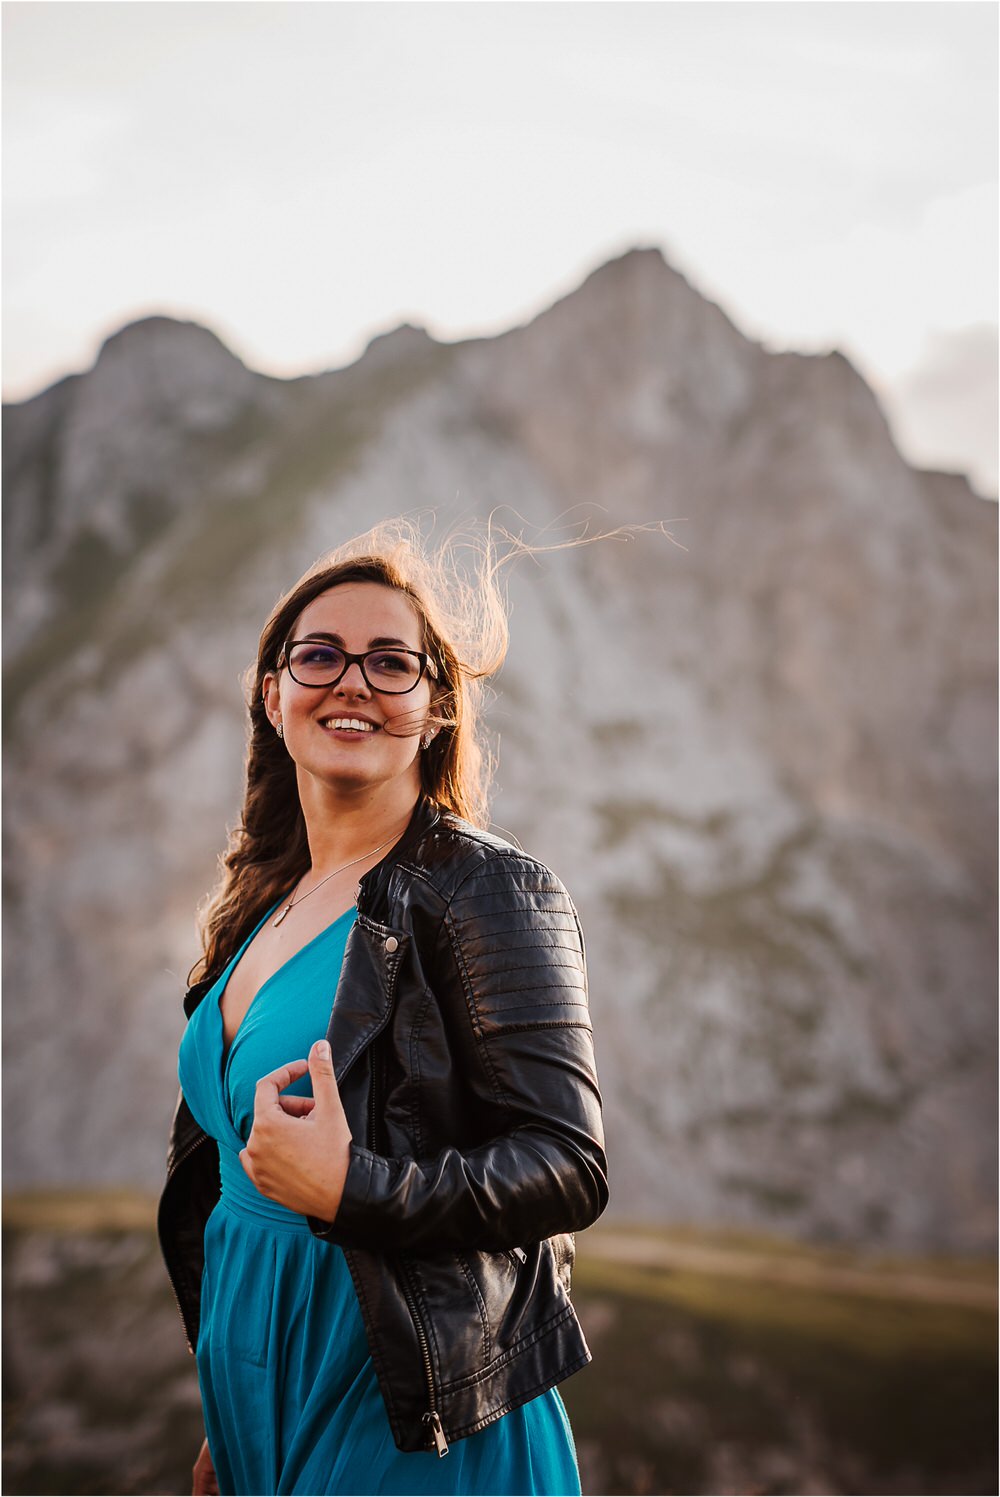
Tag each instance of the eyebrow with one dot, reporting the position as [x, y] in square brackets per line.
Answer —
[335, 639]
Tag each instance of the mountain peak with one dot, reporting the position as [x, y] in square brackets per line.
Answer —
[165, 338]
[643, 265]
[162, 364]
[400, 345]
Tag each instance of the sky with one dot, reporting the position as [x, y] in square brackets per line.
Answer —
[300, 175]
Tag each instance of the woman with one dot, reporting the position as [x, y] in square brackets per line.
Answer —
[389, 1123]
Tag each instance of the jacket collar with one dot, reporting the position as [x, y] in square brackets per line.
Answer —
[374, 885]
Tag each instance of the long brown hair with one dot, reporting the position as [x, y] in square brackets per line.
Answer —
[457, 594]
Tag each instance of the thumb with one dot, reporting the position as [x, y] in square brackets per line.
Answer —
[324, 1085]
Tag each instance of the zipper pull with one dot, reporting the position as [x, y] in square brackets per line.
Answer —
[433, 1418]
[520, 1254]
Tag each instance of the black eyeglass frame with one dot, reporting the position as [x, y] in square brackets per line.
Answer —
[426, 665]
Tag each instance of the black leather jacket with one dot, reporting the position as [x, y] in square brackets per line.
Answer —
[463, 1051]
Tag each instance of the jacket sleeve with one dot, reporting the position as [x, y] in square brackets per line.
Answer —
[510, 964]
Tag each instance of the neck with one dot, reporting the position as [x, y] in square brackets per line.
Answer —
[347, 826]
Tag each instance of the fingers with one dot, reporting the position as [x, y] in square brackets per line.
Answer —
[274, 1144]
[268, 1087]
[297, 1107]
[324, 1083]
[205, 1482]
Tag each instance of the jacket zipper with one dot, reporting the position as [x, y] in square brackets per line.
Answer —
[432, 1418]
[202, 1136]
[180, 1312]
[371, 1097]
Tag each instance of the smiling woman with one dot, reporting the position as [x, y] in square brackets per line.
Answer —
[363, 694]
[389, 1124]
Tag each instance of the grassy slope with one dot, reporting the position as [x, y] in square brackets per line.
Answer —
[701, 1382]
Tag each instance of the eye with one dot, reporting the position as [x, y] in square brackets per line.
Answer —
[316, 657]
[392, 662]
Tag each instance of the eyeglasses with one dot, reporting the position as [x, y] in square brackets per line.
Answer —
[312, 663]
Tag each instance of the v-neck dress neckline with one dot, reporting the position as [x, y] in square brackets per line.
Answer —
[235, 961]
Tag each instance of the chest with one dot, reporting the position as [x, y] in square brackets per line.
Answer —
[271, 949]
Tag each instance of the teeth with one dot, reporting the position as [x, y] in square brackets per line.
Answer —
[349, 722]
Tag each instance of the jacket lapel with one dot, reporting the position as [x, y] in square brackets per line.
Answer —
[374, 953]
[373, 957]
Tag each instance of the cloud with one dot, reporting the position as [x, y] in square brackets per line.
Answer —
[943, 410]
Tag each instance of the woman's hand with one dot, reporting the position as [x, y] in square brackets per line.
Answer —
[299, 1147]
[205, 1481]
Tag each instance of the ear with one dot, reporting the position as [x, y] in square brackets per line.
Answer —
[272, 699]
[439, 693]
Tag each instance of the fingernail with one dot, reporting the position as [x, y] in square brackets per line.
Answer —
[323, 1049]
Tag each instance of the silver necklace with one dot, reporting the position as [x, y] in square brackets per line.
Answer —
[293, 902]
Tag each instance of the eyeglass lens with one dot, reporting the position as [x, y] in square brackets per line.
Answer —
[385, 670]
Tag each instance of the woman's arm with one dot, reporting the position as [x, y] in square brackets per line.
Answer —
[510, 967]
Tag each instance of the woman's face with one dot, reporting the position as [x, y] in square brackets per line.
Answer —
[357, 616]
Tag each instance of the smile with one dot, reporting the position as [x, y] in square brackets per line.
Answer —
[356, 725]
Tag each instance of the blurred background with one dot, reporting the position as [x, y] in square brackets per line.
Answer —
[273, 272]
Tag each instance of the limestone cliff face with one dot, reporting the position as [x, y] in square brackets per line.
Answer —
[765, 765]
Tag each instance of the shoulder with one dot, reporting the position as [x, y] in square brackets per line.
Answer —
[462, 861]
[511, 928]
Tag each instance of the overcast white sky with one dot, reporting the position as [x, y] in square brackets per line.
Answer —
[299, 176]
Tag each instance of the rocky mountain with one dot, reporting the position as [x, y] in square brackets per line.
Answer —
[763, 760]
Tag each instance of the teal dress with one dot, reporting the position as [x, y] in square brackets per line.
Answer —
[289, 1392]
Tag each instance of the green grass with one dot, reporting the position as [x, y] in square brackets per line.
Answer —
[771, 1244]
[707, 1383]
[78, 1212]
[699, 1387]
[701, 1382]
[860, 1324]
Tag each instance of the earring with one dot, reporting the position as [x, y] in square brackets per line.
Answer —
[280, 730]
[427, 740]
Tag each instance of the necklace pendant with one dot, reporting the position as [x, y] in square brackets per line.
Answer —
[282, 915]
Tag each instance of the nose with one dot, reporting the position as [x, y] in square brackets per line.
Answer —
[353, 680]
